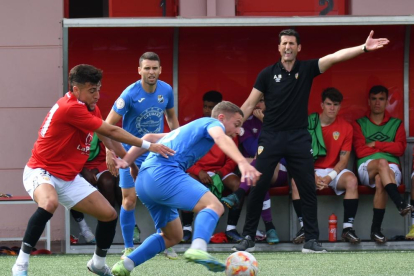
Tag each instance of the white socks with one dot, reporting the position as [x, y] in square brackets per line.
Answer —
[199, 244]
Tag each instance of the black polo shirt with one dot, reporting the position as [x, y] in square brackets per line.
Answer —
[286, 94]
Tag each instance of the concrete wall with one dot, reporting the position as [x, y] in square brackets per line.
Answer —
[31, 82]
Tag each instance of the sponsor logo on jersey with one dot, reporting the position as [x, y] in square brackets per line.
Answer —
[85, 149]
[260, 150]
[241, 131]
[336, 135]
[149, 121]
[120, 103]
[140, 100]
[160, 99]
[296, 75]
[255, 130]
[311, 152]
[277, 78]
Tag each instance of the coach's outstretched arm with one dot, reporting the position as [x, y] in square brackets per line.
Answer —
[370, 45]
[226, 144]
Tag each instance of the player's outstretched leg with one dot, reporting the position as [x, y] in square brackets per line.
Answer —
[205, 224]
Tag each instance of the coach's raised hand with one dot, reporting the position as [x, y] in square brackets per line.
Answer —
[373, 44]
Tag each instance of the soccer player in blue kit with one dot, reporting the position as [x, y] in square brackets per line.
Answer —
[164, 186]
[141, 106]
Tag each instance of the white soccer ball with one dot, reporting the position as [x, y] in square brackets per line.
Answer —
[241, 263]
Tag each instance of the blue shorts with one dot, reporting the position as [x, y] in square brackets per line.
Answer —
[164, 189]
[125, 179]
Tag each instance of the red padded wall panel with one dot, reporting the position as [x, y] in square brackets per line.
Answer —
[117, 51]
[288, 8]
[141, 8]
[229, 59]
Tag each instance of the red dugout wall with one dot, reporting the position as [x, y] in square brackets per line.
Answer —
[228, 59]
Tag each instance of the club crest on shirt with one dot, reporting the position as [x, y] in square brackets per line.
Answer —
[296, 75]
[260, 150]
[277, 78]
[336, 135]
[160, 99]
[120, 103]
[255, 130]
[241, 131]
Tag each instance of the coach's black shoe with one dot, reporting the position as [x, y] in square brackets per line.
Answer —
[313, 246]
[378, 237]
[405, 210]
[247, 244]
[300, 236]
[348, 235]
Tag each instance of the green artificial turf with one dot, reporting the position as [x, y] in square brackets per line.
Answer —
[376, 263]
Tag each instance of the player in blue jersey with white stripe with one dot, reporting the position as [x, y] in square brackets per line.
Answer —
[141, 106]
[164, 186]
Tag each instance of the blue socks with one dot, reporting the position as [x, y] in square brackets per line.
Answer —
[127, 221]
[204, 225]
[152, 245]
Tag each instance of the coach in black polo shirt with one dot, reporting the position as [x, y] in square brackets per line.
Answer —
[286, 87]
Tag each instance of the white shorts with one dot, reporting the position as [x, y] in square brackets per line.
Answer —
[99, 174]
[364, 177]
[69, 192]
[334, 183]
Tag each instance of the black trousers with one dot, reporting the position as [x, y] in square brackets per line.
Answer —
[295, 147]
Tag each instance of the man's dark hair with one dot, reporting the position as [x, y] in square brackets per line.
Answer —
[333, 94]
[378, 89]
[149, 56]
[84, 73]
[212, 96]
[289, 32]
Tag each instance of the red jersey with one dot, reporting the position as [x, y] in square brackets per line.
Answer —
[62, 146]
[337, 137]
[214, 161]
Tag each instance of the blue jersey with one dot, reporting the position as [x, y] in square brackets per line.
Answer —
[190, 142]
[143, 112]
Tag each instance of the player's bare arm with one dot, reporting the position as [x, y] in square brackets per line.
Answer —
[120, 135]
[113, 118]
[341, 165]
[226, 144]
[371, 44]
[251, 103]
[171, 118]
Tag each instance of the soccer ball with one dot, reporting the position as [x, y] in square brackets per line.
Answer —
[241, 263]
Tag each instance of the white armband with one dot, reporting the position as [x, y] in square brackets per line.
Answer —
[145, 144]
[332, 174]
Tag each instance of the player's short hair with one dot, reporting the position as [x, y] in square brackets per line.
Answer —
[333, 94]
[289, 32]
[84, 73]
[378, 89]
[212, 96]
[149, 56]
[225, 107]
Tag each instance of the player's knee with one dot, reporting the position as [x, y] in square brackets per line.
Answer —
[383, 164]
[129, 202]
[218, 208]
[110, 215]
[351, 183]
[49, 204]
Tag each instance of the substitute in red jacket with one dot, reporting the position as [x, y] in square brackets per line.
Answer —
[379, 141]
